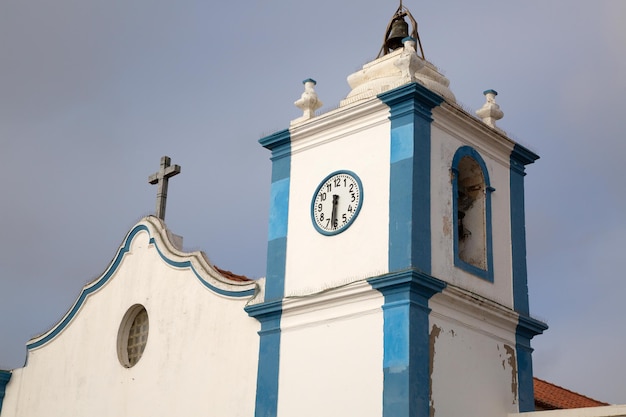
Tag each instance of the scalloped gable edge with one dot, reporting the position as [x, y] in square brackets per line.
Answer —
[159, 236]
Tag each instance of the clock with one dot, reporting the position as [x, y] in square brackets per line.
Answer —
[336, 202]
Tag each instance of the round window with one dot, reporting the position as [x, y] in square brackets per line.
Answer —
[132, 335]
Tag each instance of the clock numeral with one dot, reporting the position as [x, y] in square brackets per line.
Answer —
[351, 188]
[353, 197]
[322, 217]
[350, 208]
[323, 196]
[338, 182]
[329, 187]
[344, 217]
[319, 207]
[327, 223]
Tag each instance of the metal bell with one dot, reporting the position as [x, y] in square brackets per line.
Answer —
[399, 30]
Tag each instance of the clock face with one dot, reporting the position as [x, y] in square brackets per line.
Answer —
[336, 202]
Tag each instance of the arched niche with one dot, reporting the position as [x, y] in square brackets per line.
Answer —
[471, 196]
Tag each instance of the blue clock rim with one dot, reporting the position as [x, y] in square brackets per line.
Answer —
[358, 209]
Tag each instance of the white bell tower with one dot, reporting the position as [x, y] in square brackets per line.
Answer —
[396, 271]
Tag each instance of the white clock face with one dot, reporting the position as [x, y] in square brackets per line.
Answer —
[336, 202]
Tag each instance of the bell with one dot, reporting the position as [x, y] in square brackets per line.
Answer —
[399, 30]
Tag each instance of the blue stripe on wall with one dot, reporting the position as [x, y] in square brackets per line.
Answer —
[280, 145]
[269, 315]
[405, 312]
[5, 377]
[409, 189]
[406, 355]
[518, 228]
[401, 142]
[269, 312]
[527, 327]
[279, 203]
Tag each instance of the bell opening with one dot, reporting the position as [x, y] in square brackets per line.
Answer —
[397, 30]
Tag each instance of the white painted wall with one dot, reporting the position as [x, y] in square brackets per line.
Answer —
[474, 368]
[332, 354]
[200, 358]
[448, 135]
[355, 140]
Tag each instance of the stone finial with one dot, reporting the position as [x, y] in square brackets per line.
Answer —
[308, 102]
[408, 62]
[490, 111]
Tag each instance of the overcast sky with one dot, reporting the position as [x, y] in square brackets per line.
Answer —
[94, 92]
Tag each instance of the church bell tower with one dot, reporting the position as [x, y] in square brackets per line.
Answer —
[396, 267]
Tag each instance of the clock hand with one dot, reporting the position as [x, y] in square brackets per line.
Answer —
[333, 216]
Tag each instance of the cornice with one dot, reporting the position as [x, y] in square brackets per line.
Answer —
[473, 132]
[475, 312]
[330, 305]
[337, 124]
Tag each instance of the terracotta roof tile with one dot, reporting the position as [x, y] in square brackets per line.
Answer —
[233, 277]
[552, 397]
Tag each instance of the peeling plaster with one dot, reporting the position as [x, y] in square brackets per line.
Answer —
[447, 226]
[434, 334]
[513, 364]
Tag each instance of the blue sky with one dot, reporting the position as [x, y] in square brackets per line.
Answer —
[93, 93]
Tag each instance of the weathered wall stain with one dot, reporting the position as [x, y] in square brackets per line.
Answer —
[434, 334]
[447, 226]
[513, 364]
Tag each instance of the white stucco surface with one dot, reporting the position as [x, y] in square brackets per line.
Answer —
[358, 141]
[472, 343]
[449, 133]
[200, 355]
[331, 354]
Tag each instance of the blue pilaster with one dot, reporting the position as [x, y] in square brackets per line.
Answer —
[269, 312]
[406, 355]
[409, 285]
[409, 189]
[527, 327]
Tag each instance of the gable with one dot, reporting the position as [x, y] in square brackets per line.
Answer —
[193, 335]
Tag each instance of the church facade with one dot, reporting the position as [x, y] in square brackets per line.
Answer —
[396, 279]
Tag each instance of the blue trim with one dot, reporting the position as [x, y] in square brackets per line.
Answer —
[5, 377]
[279, 201]
[406, 354]
[527, 327]
[494, 92]
[269, 313]
[487, 274]
[99, 283]
[520, 156]
[358, 208]
[409, 189]
[280, 145]
[309, 80]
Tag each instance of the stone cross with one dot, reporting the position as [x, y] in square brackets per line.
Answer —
[161, 178]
